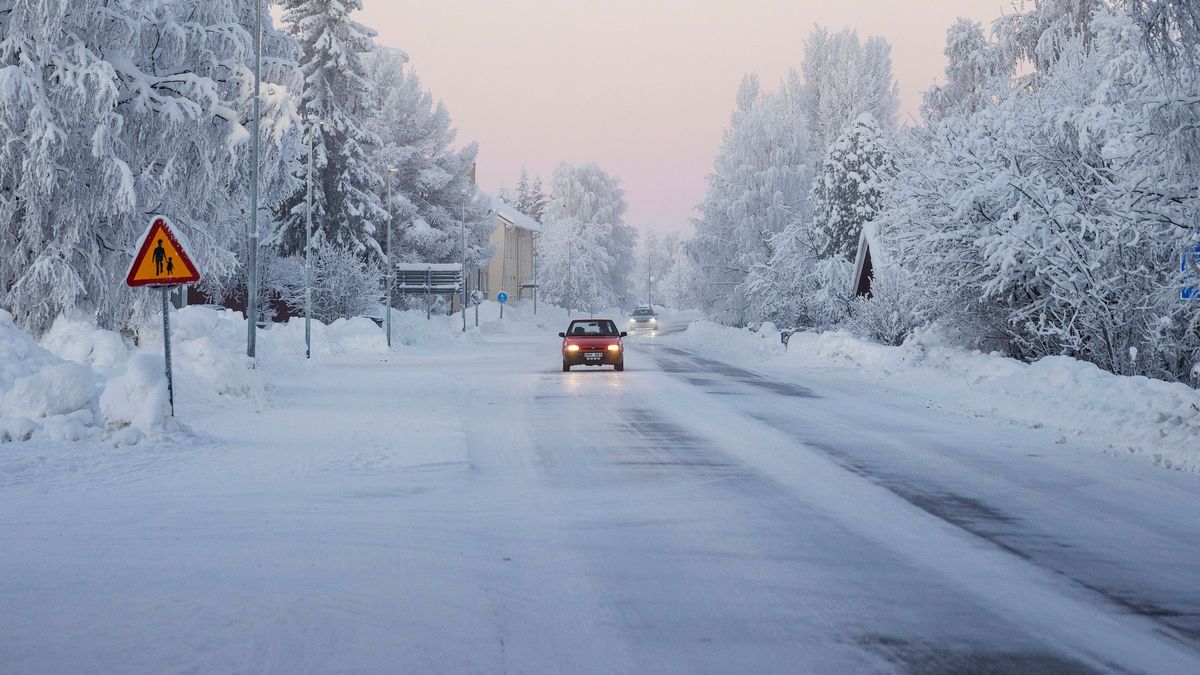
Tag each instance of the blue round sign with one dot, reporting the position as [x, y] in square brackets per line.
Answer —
[502, 297]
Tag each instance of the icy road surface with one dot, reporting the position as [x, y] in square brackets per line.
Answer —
[476, 510]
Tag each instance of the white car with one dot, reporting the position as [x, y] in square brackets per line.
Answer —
[643, 318]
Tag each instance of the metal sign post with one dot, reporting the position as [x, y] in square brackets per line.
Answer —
[476, 298]
[163, 263]
[166, 306]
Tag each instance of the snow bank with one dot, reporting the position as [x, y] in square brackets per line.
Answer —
[42, 396]
[84, 382]
[135, 403]
[1151, 418]
[76, 338]
[723, 341]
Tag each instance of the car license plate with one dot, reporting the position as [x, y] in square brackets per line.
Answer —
[593, 356]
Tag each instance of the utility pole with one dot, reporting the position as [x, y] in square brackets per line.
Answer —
[252, 233]
[391, 171]
[308, 248]
[649, 279]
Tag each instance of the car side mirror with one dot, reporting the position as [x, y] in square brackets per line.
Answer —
[562, 335]
[624, 333]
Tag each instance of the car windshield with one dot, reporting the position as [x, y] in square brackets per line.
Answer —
[643, 311]
[593, 328]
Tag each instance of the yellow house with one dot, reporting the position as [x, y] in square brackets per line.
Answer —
[513, 267]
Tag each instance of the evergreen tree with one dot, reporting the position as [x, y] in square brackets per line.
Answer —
[346, 203]
[538, 200]
[528, 198]
[849, 190]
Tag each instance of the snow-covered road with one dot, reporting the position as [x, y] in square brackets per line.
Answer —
[476, 510]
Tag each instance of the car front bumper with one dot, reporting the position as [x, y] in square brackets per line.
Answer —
[580, 358]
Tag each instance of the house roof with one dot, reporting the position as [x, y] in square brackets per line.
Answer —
[871, 240]
[513, 217]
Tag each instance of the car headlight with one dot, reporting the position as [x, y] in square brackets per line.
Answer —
[614, 348]
[572, 348]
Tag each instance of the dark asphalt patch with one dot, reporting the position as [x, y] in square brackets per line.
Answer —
[916, 657]
[689, 363]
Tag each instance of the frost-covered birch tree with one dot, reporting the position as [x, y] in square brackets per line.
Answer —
[759, 185]
[585, 251]
[844, 77]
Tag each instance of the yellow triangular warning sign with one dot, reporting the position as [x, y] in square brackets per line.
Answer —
[161, 260]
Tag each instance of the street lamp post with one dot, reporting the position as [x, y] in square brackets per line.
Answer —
[308, 247]
[650, 278]
[391, 171]
[463, 273]
[252, 231]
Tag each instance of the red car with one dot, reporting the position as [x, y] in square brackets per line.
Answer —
[593, 342]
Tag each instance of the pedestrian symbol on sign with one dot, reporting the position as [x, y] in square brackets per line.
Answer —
[502, 297]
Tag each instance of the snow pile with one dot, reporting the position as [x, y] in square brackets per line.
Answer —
[208, 350]
[85, 382]
[135, 403]
[723, 341]
[76, 338]
[42, 396]
[1159, 420]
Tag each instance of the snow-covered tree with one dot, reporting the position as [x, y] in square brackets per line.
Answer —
[975, 68]
[585, 251]
[432, 192]
[844, 78]
[655, 256]
[1064, 207]
[1172, 29]
[114, 111]
[528, 197]
[346, 203]
[759, 185]
[849, 189]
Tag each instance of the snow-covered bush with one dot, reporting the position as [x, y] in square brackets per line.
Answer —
[892, 311]
[344, 285]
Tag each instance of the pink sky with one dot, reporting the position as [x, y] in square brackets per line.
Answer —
[642, 87]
